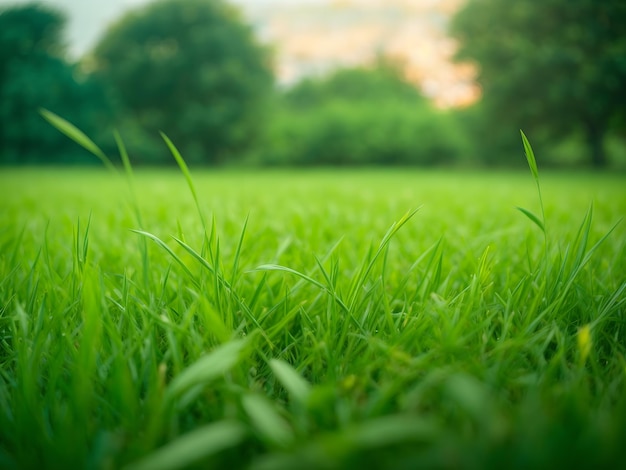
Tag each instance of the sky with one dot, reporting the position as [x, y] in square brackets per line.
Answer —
[312, 47]
[88, 19]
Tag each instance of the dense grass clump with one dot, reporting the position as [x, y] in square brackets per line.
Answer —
[394, 319]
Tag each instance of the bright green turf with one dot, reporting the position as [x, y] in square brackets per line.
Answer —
[297, 340]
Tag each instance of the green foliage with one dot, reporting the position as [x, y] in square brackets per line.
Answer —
[190, 68]
[29, 32]
[382, 83]
[553, 68]
[34, 74]
[360, 117]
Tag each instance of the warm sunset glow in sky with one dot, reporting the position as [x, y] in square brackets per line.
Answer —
[317, 36]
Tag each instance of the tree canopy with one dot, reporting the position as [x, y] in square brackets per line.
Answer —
[34, 74]
[191, 69]
[556, 65]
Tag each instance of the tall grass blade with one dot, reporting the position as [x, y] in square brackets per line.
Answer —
[164, 245]
[207, 368]
[123, 154]
[469, 394]
[582, 238]
[389, 430]
[367, 268]
[588, 254]
[237, 256]
[533, 218]
[532, 164]
[93, 315]
[203, 261]
[220, 282]
[298, 388]
[276, 267]
[530, 156]
[269, 424]
[130, 177]
[192, 447]
[181, 163]
[185, 170]
[77, 136]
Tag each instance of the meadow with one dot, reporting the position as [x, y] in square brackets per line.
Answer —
[323, 319]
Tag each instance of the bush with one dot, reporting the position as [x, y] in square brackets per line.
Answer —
[344, 134]
[360, 117]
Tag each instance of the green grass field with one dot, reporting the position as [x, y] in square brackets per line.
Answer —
[307, 320]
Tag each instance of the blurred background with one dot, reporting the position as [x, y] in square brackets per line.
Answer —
[317, 82]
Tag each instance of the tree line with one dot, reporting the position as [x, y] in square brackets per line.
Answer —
[194, 70]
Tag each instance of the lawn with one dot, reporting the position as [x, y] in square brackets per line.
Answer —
[320, 319]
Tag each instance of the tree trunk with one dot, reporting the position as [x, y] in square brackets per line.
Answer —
[595, 143]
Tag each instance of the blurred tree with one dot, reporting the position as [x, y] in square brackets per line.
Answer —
[359, 116]
[384, 82]
[34, 74]
[555, 66]
[189, 68]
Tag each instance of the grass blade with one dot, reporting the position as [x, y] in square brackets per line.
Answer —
[182, 164]
[268, 422]
[192, 447]
[533, 218]
[298, 388]
[276, 267]
[367, 268]
[164, 245]
[185, 170]
[123, 153]
[389, 430]
[207, 368]
[530, 156]
[532, 164]
[237, 256]
[78, 136]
